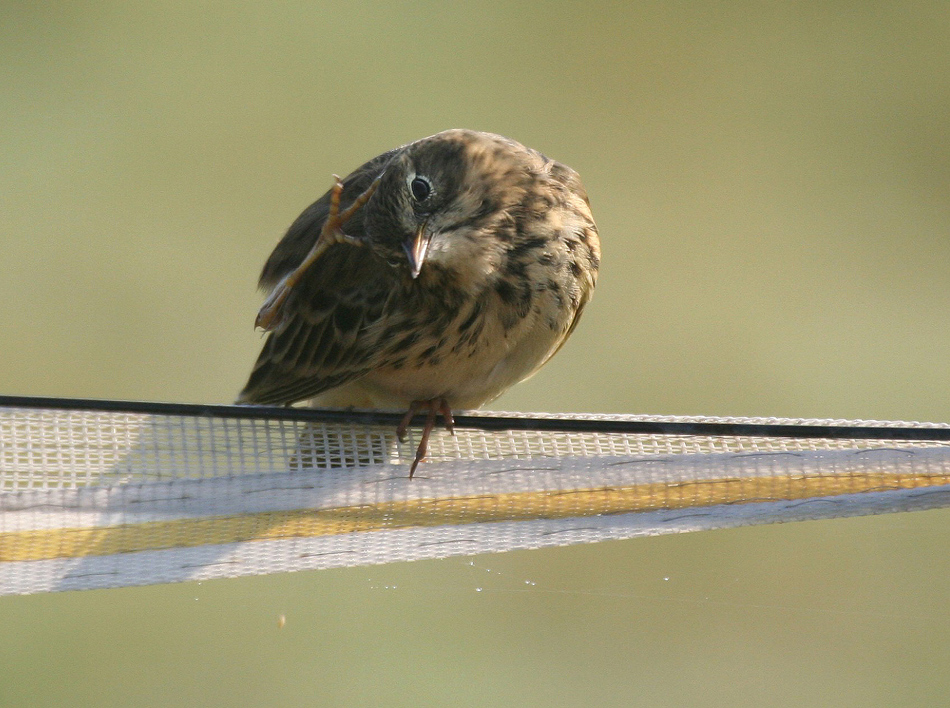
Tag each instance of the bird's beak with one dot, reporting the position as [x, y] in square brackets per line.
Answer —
[416, 249]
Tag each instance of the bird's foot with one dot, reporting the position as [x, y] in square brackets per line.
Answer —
[270, 315]
[433, 406]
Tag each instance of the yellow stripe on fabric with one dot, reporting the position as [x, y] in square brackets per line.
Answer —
[516, 506]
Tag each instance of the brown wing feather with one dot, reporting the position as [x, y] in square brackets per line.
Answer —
[324, 341]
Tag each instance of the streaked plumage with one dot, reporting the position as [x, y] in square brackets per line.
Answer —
[477, 258]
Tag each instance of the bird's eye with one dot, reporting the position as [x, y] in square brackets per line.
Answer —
[420, 188]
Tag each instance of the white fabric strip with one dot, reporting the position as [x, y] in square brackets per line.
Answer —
[92, 499]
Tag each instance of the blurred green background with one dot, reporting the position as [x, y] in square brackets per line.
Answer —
[772, 186]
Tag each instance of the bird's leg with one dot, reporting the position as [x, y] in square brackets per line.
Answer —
[434, 406]
[402, 430]
[270, 316]
[447, 418]
[424, 441]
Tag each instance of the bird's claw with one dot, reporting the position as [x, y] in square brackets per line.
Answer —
[271, 314]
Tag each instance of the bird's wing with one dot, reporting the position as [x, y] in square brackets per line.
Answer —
[325, 339]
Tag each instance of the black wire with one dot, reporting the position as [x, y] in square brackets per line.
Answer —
[488, 421]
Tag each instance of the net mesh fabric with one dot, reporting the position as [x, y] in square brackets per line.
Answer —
[66, 449]
[92, 498]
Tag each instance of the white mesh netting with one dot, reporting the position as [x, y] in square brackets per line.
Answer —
[104, 497]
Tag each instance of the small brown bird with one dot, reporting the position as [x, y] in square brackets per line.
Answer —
[466, 263]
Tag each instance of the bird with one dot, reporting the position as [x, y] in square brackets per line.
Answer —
[432, 278]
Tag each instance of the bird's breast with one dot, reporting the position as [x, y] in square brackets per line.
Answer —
[490, 343]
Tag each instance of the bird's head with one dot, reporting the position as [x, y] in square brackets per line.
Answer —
[444, 202]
